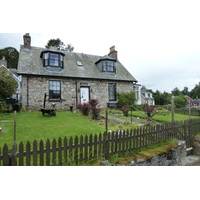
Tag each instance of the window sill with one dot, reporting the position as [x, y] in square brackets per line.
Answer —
[55, 100]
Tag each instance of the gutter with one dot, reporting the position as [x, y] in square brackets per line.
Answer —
[74, 77]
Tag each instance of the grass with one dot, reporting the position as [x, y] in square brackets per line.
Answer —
[164, 118]
[33, 126]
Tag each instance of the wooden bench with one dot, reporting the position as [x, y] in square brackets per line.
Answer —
[50, 111]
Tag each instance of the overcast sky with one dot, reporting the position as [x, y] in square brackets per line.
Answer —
[157, 41]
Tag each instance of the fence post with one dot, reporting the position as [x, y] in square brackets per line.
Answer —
[172, 109]
[5, 156]
[105, 145]
[13, 154]
[106, 120]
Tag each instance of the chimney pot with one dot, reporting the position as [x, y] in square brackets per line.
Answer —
[27, 41]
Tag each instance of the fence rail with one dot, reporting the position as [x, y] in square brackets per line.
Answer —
[73, 151]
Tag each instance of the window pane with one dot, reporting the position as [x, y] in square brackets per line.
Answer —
[110, 69]
[112, 91]
[46, 56]
[46, 63]
[54, 90]
[54, 59]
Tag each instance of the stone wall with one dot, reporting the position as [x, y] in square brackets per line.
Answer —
[175, 157]
[196, 146]
[34, 88]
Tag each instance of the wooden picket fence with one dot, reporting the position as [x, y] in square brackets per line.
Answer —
[77, 150]
[185, 111]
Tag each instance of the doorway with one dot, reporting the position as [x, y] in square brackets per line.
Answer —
[85, 94]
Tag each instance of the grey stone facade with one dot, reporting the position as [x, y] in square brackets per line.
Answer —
[34, 88]
[91, 76]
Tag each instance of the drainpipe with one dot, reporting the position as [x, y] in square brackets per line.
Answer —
[76, 93]
[27, 92]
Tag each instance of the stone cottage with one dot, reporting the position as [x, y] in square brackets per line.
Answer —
[69, 78]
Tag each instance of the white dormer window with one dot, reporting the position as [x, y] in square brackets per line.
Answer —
[52, 59]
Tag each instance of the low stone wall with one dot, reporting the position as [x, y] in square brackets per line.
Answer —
[196, 146]
[175, 157]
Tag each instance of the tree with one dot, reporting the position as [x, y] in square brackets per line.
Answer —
[126, 98]
[69, 48]
[180, 101]
[8, 85]
[11, 55]
[161, 98]
[185, 91]
[195, 92]
[59, 45]
[176, 92]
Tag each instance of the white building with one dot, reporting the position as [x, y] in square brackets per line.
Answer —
[143, 96]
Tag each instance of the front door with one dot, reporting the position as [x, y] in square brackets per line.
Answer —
[85, 94]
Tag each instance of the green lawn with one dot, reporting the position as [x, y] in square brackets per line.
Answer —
[164, 118]
[32, 125]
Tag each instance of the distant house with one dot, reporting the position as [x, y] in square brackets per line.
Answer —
[193, 103]
[69, 78]
[3, 63]
[143, 96]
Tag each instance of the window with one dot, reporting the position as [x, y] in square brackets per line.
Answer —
[79, 63]
[108, 66]
[54, 90]
[112, 91]
[53, 59]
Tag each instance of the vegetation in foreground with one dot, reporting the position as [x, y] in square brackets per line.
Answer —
[33, 126]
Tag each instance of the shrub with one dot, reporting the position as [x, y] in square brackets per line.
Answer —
[94, 109]
[84, 108]
[125, 98]
[125, 111]
[149, 110]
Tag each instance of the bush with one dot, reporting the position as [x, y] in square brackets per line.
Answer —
[125, 98]
[84, 108]
[125, 111]
[94, 109]
[149, 110]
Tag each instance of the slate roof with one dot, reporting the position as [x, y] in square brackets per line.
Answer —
[30, 62]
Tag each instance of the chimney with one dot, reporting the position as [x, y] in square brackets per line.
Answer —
[27, 41]
[113, 53]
